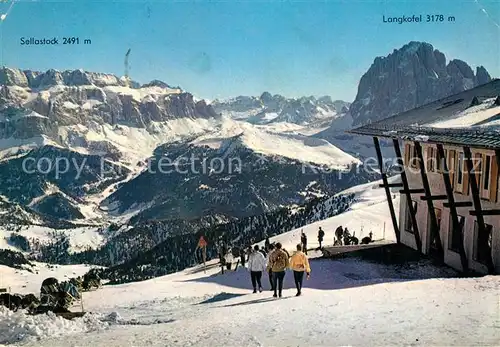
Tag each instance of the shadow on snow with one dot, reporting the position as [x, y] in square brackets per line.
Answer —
[327, 274]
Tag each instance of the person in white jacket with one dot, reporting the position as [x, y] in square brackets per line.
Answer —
[256, 265]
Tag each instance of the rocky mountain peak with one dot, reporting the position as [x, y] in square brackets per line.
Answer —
[79, 77]
[51, 99]
[410, 76]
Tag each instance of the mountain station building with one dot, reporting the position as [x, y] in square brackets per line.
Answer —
[448, 154]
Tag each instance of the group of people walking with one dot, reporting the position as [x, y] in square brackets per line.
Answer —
[277, 261]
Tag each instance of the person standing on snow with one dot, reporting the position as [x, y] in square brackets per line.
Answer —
[256, 265]
[264, 253]
[303, 241]
[339, 233]
[299, 264]
[278, 263]
[321, 235]
[269, 271]
[267, 244]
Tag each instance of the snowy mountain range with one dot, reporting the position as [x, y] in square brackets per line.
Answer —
[268, 108]
[86, 150]
[109, 135]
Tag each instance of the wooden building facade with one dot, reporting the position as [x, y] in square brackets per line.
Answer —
[448, 157]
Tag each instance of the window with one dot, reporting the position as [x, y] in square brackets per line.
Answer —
[433, 239]
[413, 156]
[440, 161]
[408, 219]
[455, 234]
[486, 175]
[460, 168]
[407, 154]
[478, 167]
[450, 160]
[482, 243]
[462, 184]
[487, 168]
[431, 159]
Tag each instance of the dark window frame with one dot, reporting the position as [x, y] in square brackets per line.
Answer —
[408, 220]
[487, 173]
[485, 240]
[455, 236]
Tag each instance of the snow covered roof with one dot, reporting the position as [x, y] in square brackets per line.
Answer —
[470, 118]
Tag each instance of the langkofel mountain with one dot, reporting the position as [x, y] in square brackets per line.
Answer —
[409, 77]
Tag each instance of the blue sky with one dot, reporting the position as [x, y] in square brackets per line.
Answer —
[217, 49]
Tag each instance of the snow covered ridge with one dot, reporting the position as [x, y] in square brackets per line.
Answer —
[52, 77]
[89, 100]
[233, 134]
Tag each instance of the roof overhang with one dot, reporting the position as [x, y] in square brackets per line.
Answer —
[477, 138]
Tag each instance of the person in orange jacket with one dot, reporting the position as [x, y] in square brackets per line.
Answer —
[299, 264]
[278, 263]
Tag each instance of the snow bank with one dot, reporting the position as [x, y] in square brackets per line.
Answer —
[470, 117]
[19, 326]
[80, 238]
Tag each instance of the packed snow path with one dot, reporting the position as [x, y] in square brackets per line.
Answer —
[346, 302]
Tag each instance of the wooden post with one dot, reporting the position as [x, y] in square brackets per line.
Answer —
[204, 254]
[387, 190]
[474, 186]
[409, 201]
[453, 209]
[434, 232]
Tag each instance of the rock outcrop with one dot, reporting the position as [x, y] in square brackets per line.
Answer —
[409, 77]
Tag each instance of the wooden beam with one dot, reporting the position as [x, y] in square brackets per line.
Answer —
[391, 185]
[486, 213]
[434, 232]
[409, 201]
[412, 191]
[477, 200]
[434, 197]
[453, 209]
[497, 156]
[387, 190]
[459, 204]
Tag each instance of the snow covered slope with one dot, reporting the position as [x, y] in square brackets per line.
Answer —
[370, 212]
[198, 308]
[485, 113]
[345, 303]
[80, 239]
[24, 282]
[288, 145]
